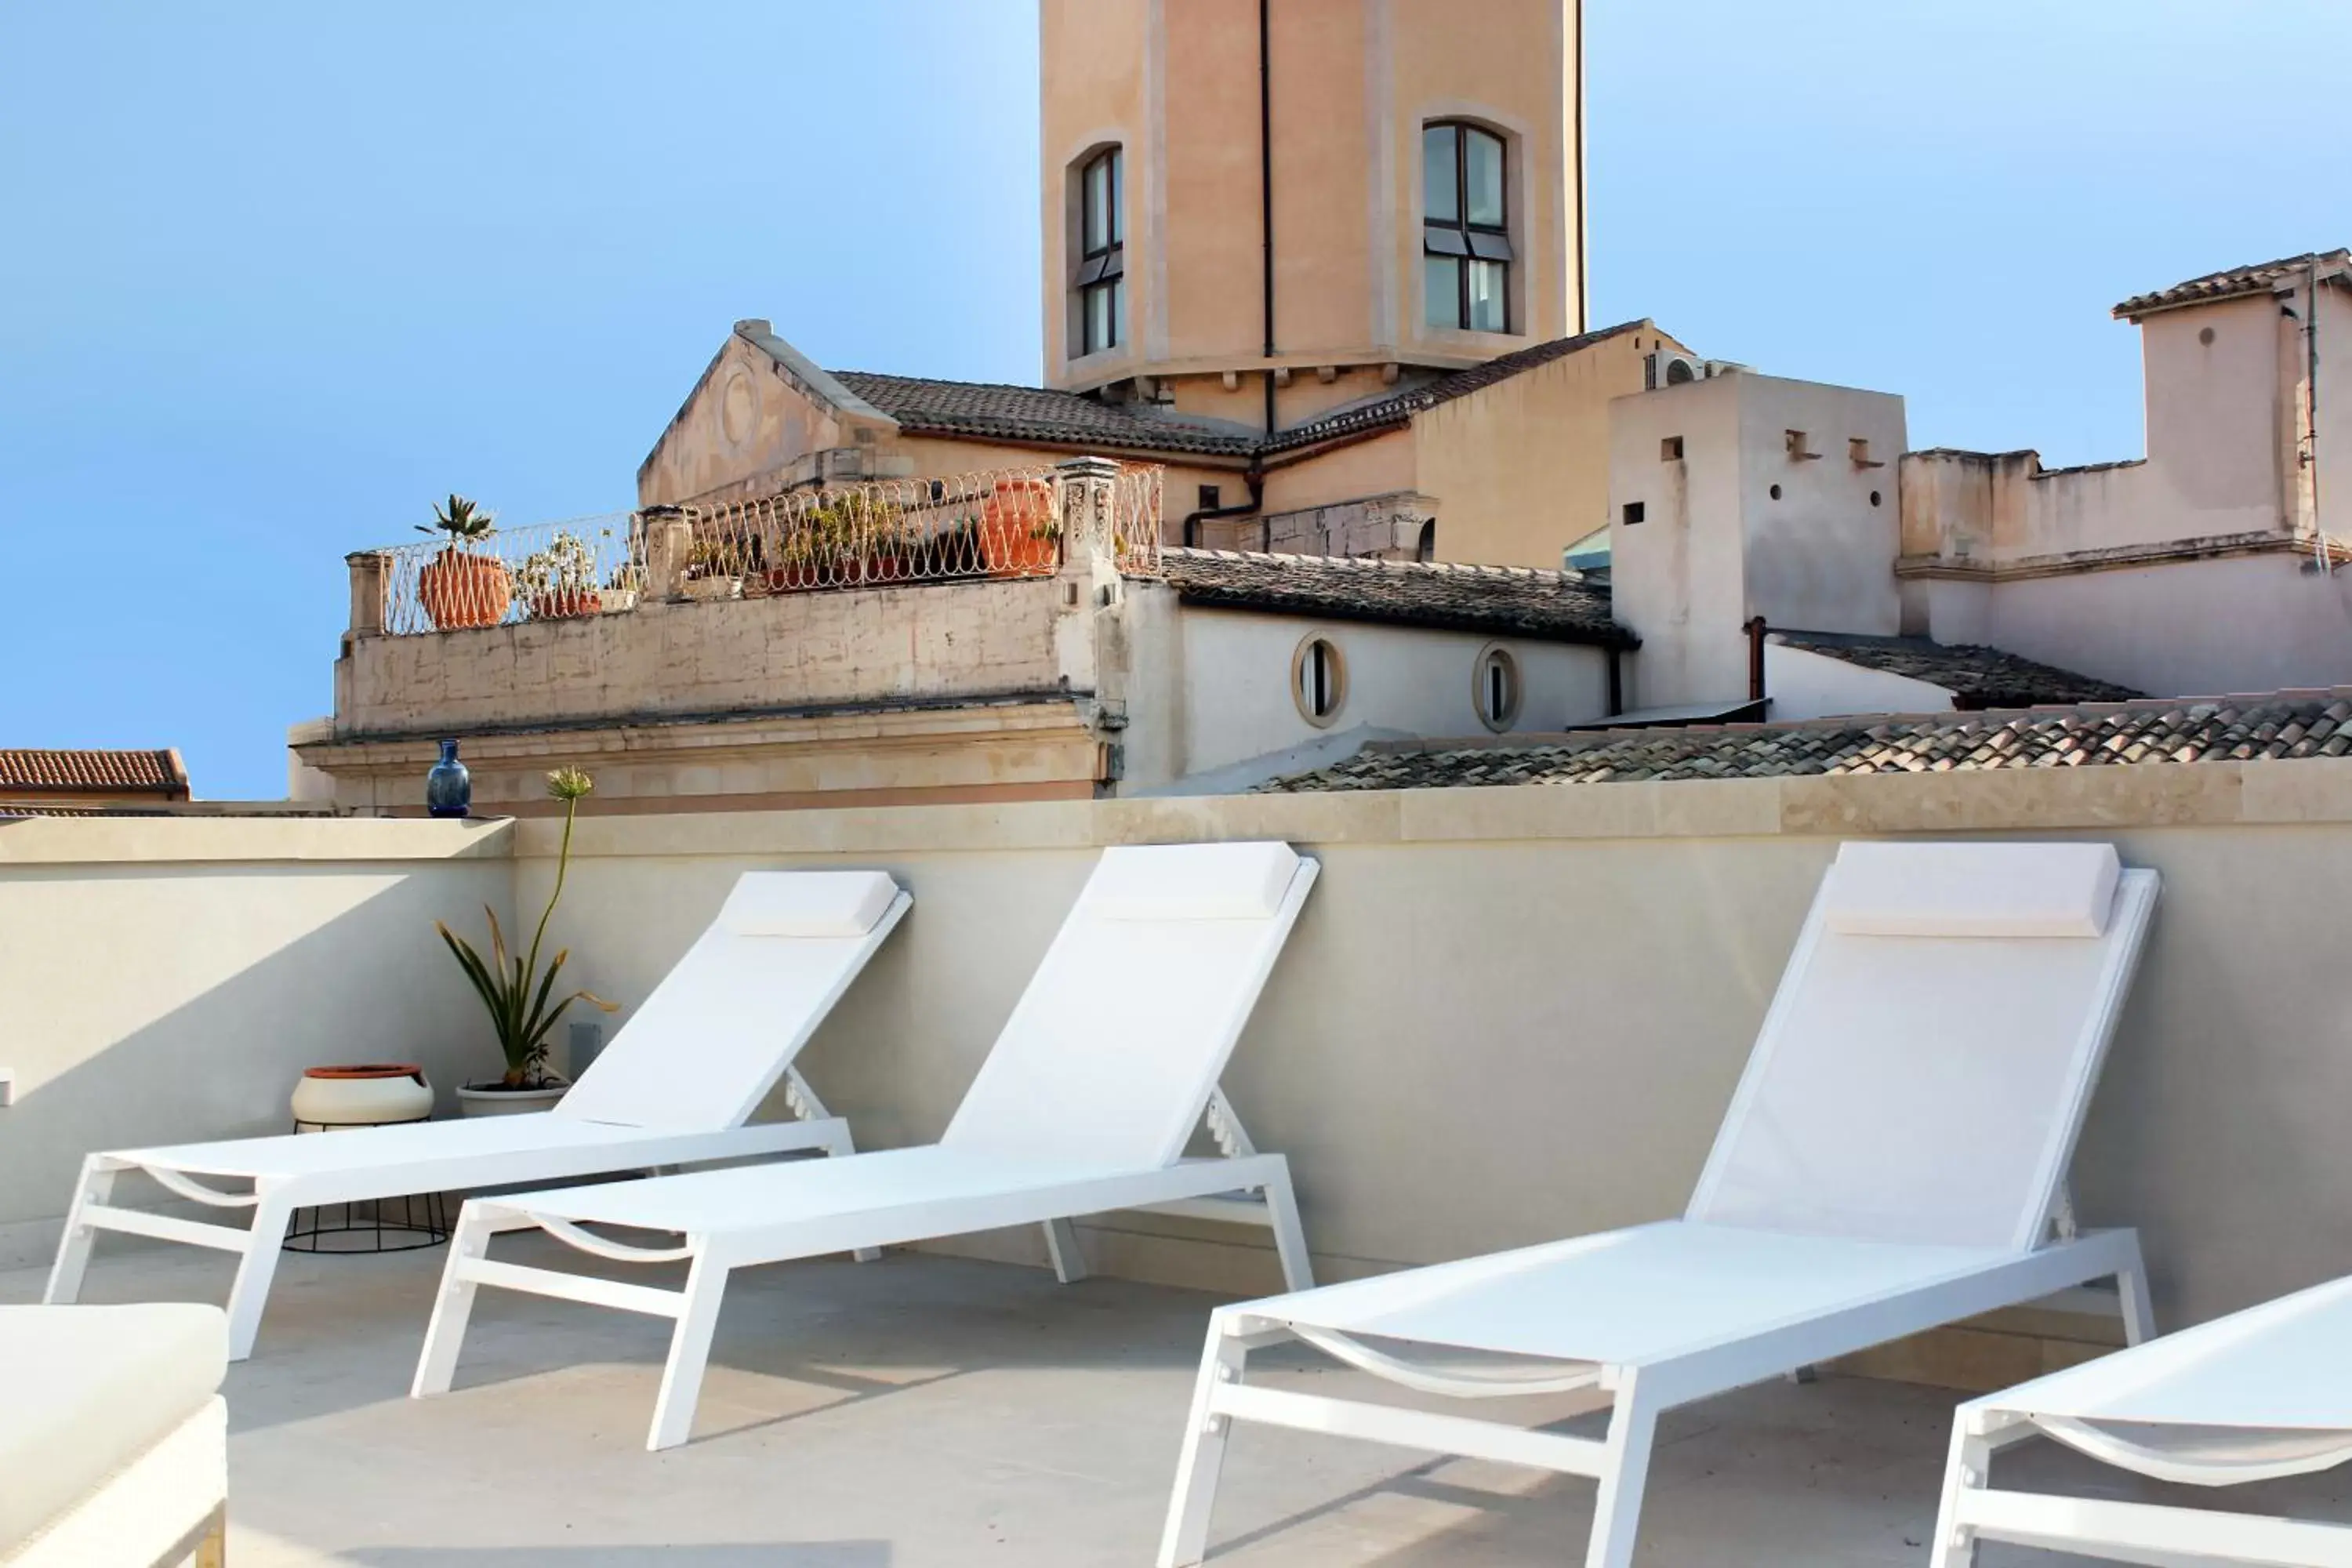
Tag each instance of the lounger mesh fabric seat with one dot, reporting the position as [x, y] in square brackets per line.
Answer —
[112, 1444]
[1893, 1159]
[676, 1087]
[1107, 1064]
[2259, 1396]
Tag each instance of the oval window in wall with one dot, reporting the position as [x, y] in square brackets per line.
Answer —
[1496, 687]
[1319, 681]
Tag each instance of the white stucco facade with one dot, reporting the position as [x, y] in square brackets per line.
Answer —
[1744, 495]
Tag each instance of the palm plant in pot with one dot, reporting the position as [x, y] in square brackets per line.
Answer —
[461, 586]
[521, 999]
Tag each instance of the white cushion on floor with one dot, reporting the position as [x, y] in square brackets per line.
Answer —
[84, 1391]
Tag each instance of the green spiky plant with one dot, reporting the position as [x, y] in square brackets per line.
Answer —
[523, 1001]
[461, 520]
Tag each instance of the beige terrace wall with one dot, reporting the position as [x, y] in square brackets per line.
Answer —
[1510, 1015]
[1506, 1015]
[163, 981]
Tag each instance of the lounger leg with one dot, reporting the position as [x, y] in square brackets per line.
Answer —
[1617, 1511]
[97, 1186]
[1186, 1538]
[839, 1145]
[453, 1305]
[1062, 1247]
[2139, 1312]
[1289, 1235]
[1967, 1469]
[250, 1293]
[211, 1550]
[689, 1353]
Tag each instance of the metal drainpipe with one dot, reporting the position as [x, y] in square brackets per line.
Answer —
[1266, 186]
[2311, 411]
[1755, 630]
[1193, 521]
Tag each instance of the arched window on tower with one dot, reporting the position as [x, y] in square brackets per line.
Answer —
[1101, 281]
[1465, 227]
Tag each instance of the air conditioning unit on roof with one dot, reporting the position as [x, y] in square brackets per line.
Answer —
[1672, 367]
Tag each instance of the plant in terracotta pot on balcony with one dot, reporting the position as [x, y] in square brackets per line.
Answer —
[1018, 530]
[460, 586]
[523, 1006]
[559, 581]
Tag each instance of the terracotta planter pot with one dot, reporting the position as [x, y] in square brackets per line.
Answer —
[459, 589]
[367, 1095]
[1014, 524]
[796, 577]
[565, 603]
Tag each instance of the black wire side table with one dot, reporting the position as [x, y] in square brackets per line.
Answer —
[408, 1223]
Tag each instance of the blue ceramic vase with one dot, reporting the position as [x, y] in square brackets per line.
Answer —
[448, 788]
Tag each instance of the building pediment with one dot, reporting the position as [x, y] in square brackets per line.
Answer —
[761, 408]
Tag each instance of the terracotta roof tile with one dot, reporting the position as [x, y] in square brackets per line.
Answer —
[975, 408]
[159, 773]
[2233, 282]
[2237, 729]
[1978, 677]
[1502, 601]
[924, 407]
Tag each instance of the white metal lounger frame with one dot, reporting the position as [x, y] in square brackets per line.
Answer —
[1220, 1188]
[1637, 1394]
[2151, 1534]
[1973, 1510]
[272, 1199]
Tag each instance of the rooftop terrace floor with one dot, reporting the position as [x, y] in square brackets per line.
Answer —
[929, 1410]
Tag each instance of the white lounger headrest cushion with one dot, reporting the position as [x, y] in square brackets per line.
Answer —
[807, 903]
[1971, 889]
[1191, 881]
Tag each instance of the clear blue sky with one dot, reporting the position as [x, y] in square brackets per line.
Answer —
[274, 276]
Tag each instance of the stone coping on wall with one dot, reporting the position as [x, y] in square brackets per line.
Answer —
[2194, 795]
[72, 841]
[2311, 790]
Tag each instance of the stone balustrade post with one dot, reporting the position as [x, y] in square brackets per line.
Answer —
[669, 541]
[370, 586]
[1084, 505]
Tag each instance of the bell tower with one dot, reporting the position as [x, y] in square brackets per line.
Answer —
[1258, 210]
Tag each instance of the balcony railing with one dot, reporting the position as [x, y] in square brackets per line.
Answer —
[1002, 523]
[544, 571]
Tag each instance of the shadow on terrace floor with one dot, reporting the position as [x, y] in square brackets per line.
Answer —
[936, 1411]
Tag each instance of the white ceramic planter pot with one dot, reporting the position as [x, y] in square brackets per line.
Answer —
[490, 1098]
[368, 1094]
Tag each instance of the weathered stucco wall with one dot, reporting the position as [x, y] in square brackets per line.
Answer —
[785, 651]
[1733, 523]
[164, 981]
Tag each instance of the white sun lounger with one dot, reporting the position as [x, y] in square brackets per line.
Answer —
[674, 1088]
[1085, 1104]
[1894, 1159]
[2254, 1396]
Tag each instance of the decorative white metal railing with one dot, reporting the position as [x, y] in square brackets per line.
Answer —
[545, 571]
[1002, 523]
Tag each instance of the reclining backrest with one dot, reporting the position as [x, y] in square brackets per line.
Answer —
[1110, 1055]
[721, 1027]
[1924, 1067]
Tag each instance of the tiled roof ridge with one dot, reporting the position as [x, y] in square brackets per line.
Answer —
[152, 770]
[2233, 282]
[2282, 725]
[1387, 563]
[1152, 426]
